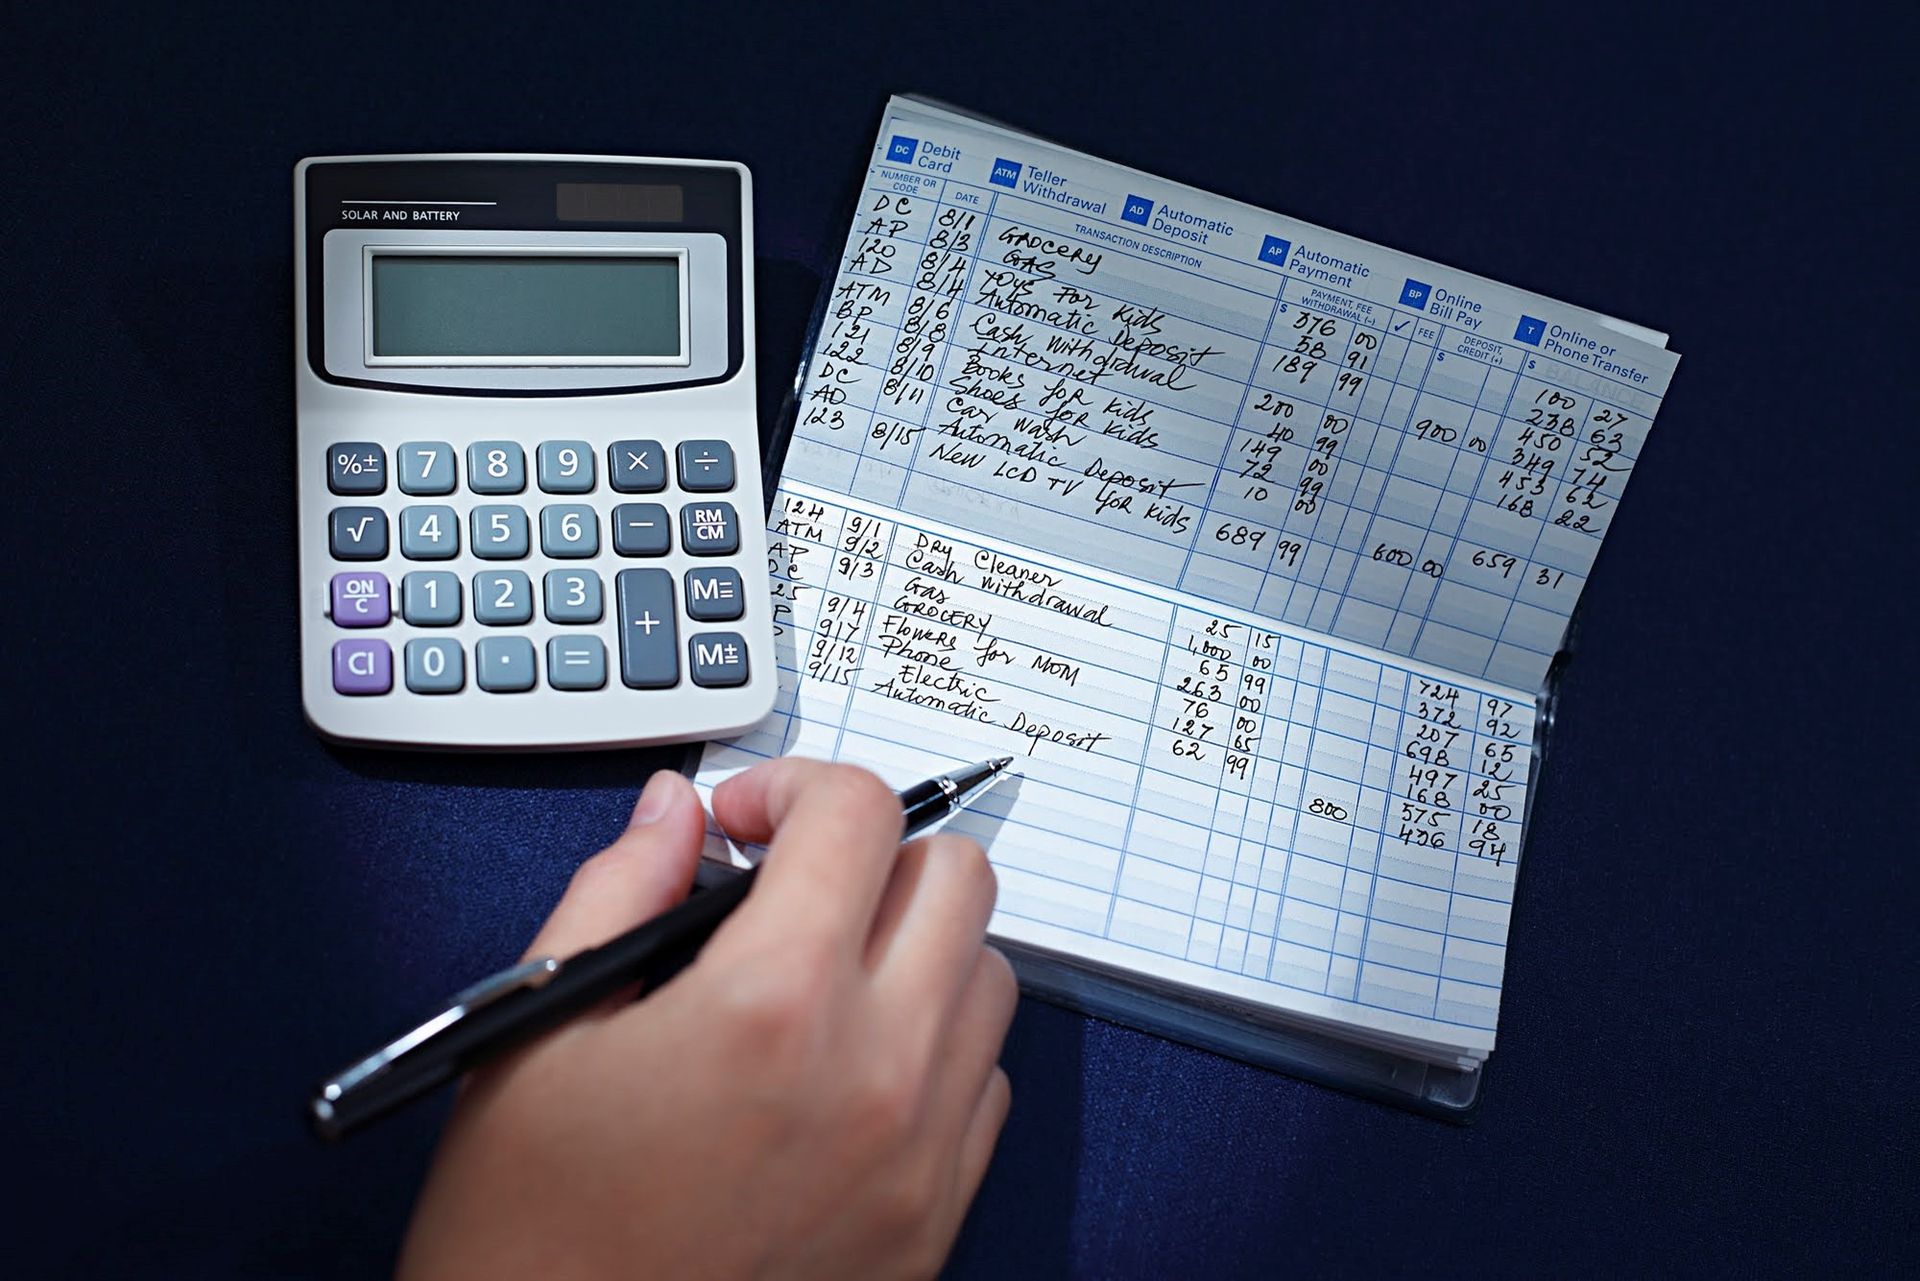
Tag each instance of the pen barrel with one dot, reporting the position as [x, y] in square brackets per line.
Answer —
[644, 958]
[923, 804]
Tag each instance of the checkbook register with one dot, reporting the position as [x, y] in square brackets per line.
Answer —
[531, 511]
[1254, 543]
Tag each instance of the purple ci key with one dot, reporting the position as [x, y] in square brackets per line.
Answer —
[362, 667]
[361, 600]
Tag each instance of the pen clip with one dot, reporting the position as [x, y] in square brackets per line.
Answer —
[526, 975]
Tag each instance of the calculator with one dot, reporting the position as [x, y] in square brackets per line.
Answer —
[530, 498]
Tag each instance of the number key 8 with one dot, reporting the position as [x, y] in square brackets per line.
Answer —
[496, 467]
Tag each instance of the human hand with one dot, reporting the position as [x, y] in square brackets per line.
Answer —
[817, 1095]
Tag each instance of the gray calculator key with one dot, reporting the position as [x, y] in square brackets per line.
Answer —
[426, 467]
[430, 598]
[718, 660]
[709, 529]
[637, 466]
[499, 532]
[642, 529]
[496, 467]
[565, 466]
[573, 596]
[502, 598]
[706, 466]
[715, 595]
[503, 664]
[569, 530]
[436, 666]
[357, 467]
[429, 533]
[357, 533]
[649, 636]
[576, 662]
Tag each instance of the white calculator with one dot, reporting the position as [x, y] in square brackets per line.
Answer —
[530, 493]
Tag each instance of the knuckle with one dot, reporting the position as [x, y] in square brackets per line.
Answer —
[772, 1007]
[966, 863]
[998, 974]
[978, 869]
[907, 1206]
[913, 1214]
[888, 1097]
[860, 793]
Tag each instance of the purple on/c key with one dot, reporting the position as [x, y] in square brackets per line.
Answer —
[362, 667]
[361, 600]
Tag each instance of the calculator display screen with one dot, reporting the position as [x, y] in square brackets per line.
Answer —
[533, 305]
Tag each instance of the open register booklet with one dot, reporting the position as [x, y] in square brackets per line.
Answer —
[1253, 542]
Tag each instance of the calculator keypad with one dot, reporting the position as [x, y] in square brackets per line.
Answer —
[435, 665]
[573, 596]
[718, 659]
[642, 529]
[499, 532]
[430, 598]
[715, 595]
[647, 604]
[426, 467]
[360, 600]
[357, 467]
[503, 664]
[496, 467]
[709, 529]
[649, 636]
[706, 466]
[362, 667]
[429, 533]
[576, 662]
[569, 531]
[637, 466]
[565, 467]
[502, 598]
[357, 533]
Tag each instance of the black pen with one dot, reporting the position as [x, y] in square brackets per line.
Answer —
[516, 1005]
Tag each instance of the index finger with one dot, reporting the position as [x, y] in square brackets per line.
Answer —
[832, 834]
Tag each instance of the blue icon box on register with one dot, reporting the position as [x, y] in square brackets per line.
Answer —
[1006, 173]
[1274, 250]
[1415, 294]
[1529, 331]
[900, 150]
[1137, 209]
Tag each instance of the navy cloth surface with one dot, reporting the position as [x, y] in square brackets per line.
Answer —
[1706, 1060]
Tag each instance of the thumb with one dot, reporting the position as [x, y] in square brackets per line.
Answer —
[643, 873]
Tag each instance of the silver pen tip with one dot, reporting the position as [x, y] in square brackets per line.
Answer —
[999, 763]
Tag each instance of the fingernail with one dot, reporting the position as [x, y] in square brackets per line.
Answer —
[656, 798]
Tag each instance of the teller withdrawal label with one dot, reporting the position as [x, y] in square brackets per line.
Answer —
[1251, 540]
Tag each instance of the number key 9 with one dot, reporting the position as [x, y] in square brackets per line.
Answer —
[566, 467]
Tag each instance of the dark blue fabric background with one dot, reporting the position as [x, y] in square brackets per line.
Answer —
[1706, 1059]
